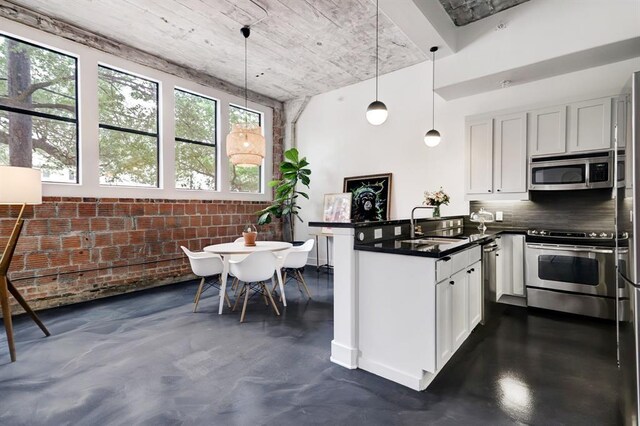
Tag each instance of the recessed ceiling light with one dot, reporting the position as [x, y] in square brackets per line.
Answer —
[501, 26]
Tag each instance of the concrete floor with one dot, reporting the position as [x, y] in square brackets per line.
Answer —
[146, 359]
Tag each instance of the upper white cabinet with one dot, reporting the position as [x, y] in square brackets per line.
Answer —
[548, 131]
[497, 157]
[480, 157]
[590, 125]
[510, 153]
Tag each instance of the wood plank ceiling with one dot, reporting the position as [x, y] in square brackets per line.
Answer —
[303, 47]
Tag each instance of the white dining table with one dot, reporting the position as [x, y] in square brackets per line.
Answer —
[227, 250]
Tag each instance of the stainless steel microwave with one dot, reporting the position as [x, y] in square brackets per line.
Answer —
[575, 171]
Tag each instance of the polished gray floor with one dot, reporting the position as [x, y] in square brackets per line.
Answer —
[145, 358]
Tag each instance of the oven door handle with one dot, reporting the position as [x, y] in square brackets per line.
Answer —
[571, 249]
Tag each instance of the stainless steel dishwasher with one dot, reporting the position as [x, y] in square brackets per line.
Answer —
[490, 251]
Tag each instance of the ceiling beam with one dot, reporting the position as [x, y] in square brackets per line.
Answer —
[424, 22]
[79, 35]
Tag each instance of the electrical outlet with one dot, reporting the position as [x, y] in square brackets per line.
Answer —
[499, 217]
[377, 233]
[397, 230]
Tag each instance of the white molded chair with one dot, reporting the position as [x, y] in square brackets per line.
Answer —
[205, 265]
[252, 272]
[239, 240]
[293, 260]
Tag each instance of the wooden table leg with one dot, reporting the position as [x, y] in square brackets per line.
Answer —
[6, 315]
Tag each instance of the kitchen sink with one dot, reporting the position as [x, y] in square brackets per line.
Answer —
[432, 241]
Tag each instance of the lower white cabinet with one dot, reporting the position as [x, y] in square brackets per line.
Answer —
[459, 310]
[510, 266]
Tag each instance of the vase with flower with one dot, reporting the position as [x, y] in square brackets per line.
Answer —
[436, 199]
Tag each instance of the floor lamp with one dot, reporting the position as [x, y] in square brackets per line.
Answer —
[18, 186]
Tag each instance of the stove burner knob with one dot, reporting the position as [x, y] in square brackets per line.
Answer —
[604, 235]
[593, 235]
[543, 232]
[534, 232]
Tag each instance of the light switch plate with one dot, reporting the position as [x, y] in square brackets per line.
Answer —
[499, 217]
[377, 233]
[397, 230]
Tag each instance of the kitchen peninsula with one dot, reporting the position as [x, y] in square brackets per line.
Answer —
[403, 306]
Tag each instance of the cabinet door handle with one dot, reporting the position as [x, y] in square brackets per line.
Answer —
[488, 190]
[452, 282]
[473, 269]
[499, 190]
[469, 271]
[446, 258]
[497, 254]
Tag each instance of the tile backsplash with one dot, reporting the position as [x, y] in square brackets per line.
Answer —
[561, 210]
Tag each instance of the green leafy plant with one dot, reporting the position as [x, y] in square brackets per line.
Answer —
[285, 204]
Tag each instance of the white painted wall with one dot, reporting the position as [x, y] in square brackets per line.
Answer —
[337, 140]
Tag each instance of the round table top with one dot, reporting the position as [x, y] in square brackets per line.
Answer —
[240, 248]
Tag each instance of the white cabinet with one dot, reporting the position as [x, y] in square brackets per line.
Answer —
[510, 153]
[458, 304]
[548, 131]
[460, 308]
[590, 125]
[444, 334]
[510, 266]
[497, 156]
[474, 289]
[480, 157]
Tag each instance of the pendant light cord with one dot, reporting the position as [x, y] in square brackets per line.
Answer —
[433, 89]
[246, 95]
[377, 56]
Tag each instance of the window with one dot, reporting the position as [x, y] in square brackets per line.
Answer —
[128, 107]
[244, 178]
[195, 141]
[38, 110]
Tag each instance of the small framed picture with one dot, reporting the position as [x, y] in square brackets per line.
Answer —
[337, 209]
[370, 197]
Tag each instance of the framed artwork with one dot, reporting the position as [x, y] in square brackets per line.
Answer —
[370, 197]
[337, 208]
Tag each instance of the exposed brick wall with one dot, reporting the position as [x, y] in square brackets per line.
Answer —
[76, 249]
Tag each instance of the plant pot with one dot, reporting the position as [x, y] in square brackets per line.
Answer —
[250, 238]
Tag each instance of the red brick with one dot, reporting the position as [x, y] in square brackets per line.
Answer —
[37, 261]
[98, 224]
[50, 242]
[59, 226]
[86, 209]
[103, 240]
[150, 209]
[120, 238]
[115, 223]
[36, 227]
[45, 211]
[67, 210]
[105, 209]
[71, 242]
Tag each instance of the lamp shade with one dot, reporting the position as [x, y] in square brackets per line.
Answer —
[245, 145]
[20, 185]
[432, 138]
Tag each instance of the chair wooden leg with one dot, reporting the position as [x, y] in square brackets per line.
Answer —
[304, 284]
[244, 305]
[235, 284]
[235, 305]
[273, 304]
[198, 293]
[226, 297]
[6, 315]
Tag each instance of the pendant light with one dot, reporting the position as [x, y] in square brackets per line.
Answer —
[377, 111]
[245, 142]
[432, 138]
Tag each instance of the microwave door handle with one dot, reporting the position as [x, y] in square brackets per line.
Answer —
[587, 173]
[575, 250]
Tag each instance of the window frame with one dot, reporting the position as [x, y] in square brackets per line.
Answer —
[216, 137]
[44, 115]
[87, 184]
[134, 131]
[261, 189]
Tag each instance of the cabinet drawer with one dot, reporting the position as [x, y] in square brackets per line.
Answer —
[475, 253]
[443, 268]
[459, 261]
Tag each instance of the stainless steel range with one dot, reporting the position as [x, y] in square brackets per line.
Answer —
[572, 272]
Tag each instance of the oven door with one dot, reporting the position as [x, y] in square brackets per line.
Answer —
[575, 269]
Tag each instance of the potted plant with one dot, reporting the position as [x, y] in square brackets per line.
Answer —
[285, 204]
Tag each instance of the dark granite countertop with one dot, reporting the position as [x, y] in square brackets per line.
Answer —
[378, 223]
[468, 238]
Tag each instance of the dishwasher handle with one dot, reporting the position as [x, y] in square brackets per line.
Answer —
[490, 248]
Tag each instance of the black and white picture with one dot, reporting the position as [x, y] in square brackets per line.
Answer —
[371, 197]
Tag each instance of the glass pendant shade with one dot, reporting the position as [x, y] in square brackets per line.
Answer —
[377, 113]
[245, 145]
[432, 138]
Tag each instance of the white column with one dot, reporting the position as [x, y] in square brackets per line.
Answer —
[344, 346]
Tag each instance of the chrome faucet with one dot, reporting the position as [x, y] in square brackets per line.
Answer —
[413, 221]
